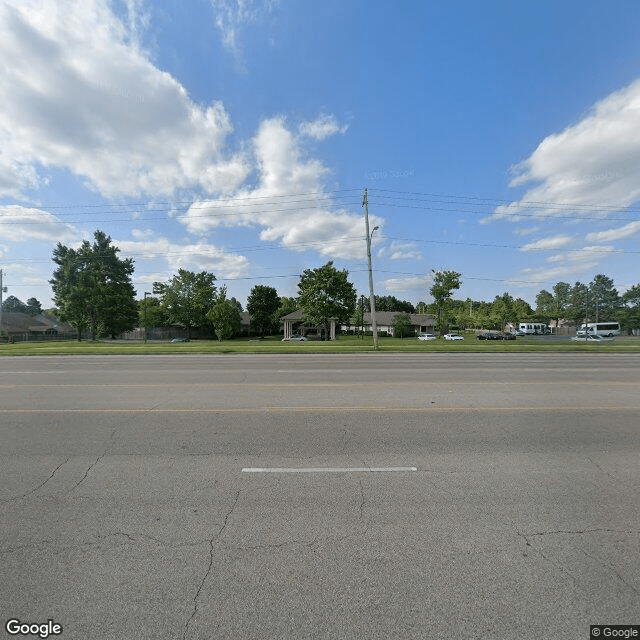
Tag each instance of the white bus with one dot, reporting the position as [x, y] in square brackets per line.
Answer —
[603, 329]
[534, 328]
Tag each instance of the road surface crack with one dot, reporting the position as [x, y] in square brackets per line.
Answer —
[196, 598]
[28, 493]
[610, 566]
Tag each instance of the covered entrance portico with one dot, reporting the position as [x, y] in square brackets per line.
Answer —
[296, 318]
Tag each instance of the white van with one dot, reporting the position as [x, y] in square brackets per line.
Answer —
[602, 329]
[534, 328]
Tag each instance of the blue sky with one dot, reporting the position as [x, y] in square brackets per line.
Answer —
[497, 139]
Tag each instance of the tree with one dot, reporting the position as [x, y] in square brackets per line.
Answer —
[521, 309]
[34, 308]
[401, 325]
[262, 304]
[444, 283]
[544, 305]
[579, 303]
[631, 314]
[606, 300]
[92, 287]
[187, 298]
[151, 313]
[14, 305]
[391, 303]
[326, 293]
[224, 316]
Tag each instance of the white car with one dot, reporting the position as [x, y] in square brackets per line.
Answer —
[453, 336]
[426, 336]
[295, 338]
[591, 338]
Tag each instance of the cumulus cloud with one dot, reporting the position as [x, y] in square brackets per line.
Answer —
[592, 166]
[590, 254]
[322, 127]
[417, 285]
[552, 242]
[77, 93]
[193, 256]
[22, 224]
[289, 203]
[626, 231]
[402, 251]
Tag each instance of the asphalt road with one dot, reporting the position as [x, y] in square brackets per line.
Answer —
[321, 496]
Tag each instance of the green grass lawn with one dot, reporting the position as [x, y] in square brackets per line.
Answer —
[344, 344]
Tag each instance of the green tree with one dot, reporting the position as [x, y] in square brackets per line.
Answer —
[579, 303]
[630, 316]
[606, 300]
[34, 308]
[544, 305]
[287, 305]
[151, 313]
[14, 305]
[401, 325]
[262, 304]
[502, 309]
[444, 284]
[325, 293]
[187, 298]
[92, 287]
[225, 316]
[521, 310]
[391, 303]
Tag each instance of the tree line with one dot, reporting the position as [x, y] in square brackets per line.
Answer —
[93, 292]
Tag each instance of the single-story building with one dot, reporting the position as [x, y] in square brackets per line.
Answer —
[18, 326]
[420, 322]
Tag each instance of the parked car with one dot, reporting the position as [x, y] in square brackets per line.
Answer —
[453, 336]
[295, 338]
[591, 338]
[487, 336]
[427, 336]
[505, 335]
[180, 340]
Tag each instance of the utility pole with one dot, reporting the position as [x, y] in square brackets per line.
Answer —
[372, 298]
[2, 290]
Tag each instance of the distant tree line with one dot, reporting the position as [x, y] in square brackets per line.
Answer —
[93, 292]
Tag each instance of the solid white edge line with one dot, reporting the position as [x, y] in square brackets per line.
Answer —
[326, 469]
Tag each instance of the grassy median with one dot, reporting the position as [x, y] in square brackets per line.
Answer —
[343, 344]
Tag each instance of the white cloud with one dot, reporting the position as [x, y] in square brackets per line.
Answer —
[322, 127]
[231, 16]
[404, 251]
[305, 220]
[77, 93]
[552, 242]
[625, 231]
[417, 285]
[193, 256]
[585, 254]
[592, 166]
[23, 224]
[543, 275]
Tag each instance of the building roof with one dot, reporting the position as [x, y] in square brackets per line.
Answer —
[16, 322]
[382, 317]
[387, 318]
